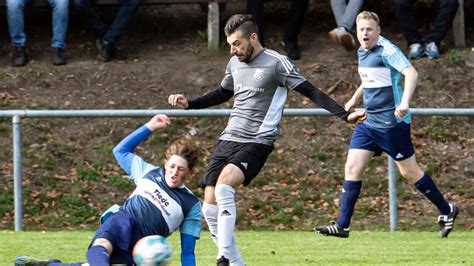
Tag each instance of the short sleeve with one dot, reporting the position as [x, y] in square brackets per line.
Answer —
[288, 75]
[395, 59]
[228, 81]
[139, 168]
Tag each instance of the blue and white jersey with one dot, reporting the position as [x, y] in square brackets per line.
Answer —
[157, 208]
[380, 71]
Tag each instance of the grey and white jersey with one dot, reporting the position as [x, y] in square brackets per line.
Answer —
[260, 92]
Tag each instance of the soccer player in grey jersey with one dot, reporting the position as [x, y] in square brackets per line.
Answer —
[259, 80]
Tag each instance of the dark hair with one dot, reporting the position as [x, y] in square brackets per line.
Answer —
[185, 149]
[244, 23]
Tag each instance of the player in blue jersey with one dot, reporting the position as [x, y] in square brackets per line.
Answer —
[160, 204]
[382, 67]
[259, 80]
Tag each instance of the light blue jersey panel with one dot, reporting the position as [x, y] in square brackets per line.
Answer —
[380, 71]
[139, 168]
[192, 222]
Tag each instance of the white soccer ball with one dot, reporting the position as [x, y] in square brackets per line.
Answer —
[152, 251]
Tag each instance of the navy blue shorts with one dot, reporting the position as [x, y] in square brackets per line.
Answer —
[121, 230]
[249, 157]
[396, 141]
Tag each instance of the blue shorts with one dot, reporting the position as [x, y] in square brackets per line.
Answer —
[396, 141]
[122, 231]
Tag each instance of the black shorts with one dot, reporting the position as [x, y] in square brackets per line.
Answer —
[249, 157]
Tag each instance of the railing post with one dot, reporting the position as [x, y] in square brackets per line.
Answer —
[392, 194]
[17, 188]
[213, 26]
[458, 26]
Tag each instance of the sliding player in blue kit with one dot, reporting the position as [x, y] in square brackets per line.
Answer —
[382, 67]
[159, 205]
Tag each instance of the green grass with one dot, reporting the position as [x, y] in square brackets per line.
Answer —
[273, 248]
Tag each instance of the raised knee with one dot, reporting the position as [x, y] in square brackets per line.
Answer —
[60, 4]
[102, 242]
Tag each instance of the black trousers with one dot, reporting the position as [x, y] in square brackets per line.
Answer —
[441, 25]
[296, 12]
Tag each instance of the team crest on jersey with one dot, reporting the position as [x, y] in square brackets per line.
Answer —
[258, 74]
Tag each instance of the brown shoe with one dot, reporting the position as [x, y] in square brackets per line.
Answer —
[347, 41]
[333, 35]
[341, 36]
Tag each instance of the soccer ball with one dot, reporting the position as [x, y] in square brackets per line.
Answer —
[152, 251]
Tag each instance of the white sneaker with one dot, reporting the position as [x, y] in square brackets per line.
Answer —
[417, 50]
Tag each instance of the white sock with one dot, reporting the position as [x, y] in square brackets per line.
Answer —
[210, 212]
[225, 197]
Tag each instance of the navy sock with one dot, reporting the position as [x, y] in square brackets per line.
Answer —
[97, 255]
[349, 197]
[427, 186]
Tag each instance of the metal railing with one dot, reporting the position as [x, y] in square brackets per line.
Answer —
[17, 115]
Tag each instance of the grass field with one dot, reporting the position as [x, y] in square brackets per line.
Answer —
[274, 248]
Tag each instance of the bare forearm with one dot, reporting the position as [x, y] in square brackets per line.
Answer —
[411, 78]
[358, 93]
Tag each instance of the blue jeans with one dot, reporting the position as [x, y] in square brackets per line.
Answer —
[16, 21]
[296, 12]
[118, 27]
[345, 12]
[441, 24]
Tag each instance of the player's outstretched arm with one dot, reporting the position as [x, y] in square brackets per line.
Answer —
[158, 121]
[188, 244]
[322, 99]
[178, 100]
[124, 151]
[212, 98]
